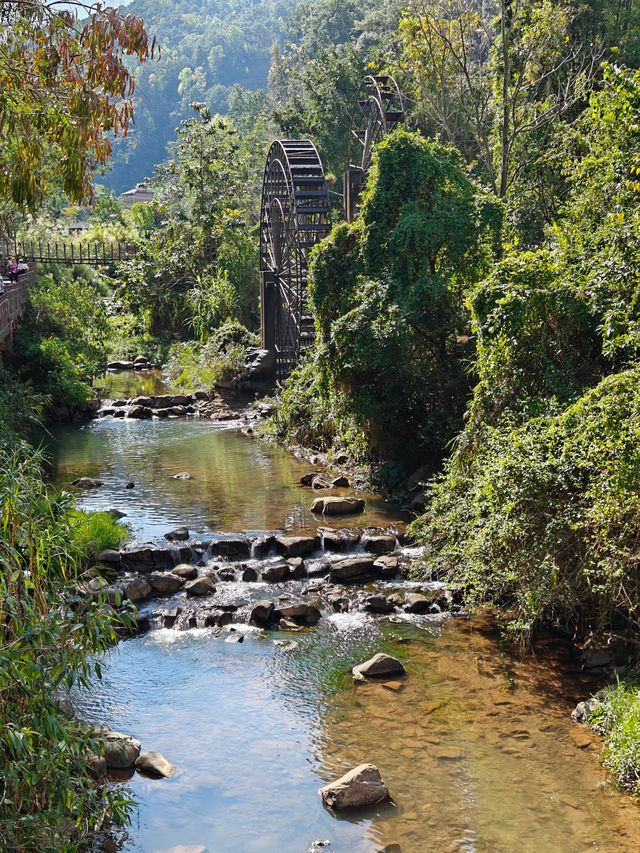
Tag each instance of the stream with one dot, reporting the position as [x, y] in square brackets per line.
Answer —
[476, 744]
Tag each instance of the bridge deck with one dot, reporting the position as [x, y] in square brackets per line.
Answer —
[12, 304]
[67, 251]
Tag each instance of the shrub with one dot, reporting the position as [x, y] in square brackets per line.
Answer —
[49, 800]
[618, 720]
[94, 532]
[542, 517]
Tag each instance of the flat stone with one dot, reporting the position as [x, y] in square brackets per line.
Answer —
[165, 583]
[340, 482]
[296, 546]
[353, 569]
[200, 586]
[154, 764]
[362, 786]
[582, 737]
[289, 625]
[337, 505]
[300, 612]
[379, 666]
[239, 547]
[379, 543]
[276, 572]
[261, 613]
[183, 475]
[180, 534]
[148, 559]
[120, 365]
[185, 571]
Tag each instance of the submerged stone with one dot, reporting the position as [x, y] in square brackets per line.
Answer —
[379, 666]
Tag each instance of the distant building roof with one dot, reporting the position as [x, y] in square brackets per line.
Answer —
[136, 194]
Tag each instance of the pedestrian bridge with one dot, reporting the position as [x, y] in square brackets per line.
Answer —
[67, 251]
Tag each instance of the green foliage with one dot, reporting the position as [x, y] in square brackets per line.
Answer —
[61, 343]
[618, 720]
[194, 365]
[93, 532]
[388, 300]
[50, 801]
[542, 517]
[199, 267]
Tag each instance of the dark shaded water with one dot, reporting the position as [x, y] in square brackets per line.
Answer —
[476, 744]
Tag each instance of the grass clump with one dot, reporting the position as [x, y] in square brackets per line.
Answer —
[94, 532]
[618, 720]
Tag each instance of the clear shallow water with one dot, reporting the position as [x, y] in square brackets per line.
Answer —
[238, 482]
[476, 746]
[132, 383]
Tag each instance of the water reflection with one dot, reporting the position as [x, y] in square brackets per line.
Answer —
[238, 482]
[131, 383]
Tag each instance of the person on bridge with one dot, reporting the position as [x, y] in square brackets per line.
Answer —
[23, 266]
[12, 269]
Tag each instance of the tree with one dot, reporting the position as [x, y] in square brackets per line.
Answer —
[65, 89]
[489, 81]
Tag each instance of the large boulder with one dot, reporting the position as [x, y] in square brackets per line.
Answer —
[298, 568]
[238, 548]
[185, 571]
[387, 565]
[416, 602]
[379, 666]
[263, 547]
[377, 603]
[362, 786]
[276, 572]
[261, 613]
[121, 751]
[379, 543]
[296, 546]
[139, 412]
[110, 557]
[339, 540]
[299, 612]
[154, 764]
[120, 365]
[353, 569]
[137, 590]
[148, 559]
[165, 584]
[337, 505]
[200, 586]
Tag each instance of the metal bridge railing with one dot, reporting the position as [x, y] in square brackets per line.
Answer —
[67, 252]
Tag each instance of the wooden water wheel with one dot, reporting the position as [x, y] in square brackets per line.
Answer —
[293, 218]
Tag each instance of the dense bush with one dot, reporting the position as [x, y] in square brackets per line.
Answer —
[49, 800]
[618, 720]
[192, 365]
[388, 296]
[62, 342]
[542, 517]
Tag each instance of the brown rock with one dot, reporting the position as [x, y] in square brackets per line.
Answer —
[200, 586]
[362, 786]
